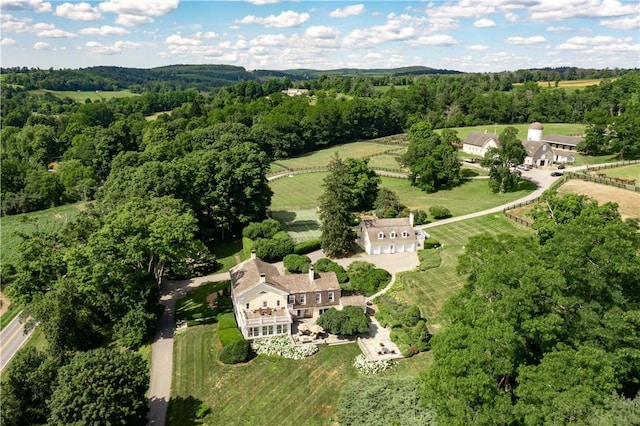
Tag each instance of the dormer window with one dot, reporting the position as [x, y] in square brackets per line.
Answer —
[405, 234]
[393, 234]
[380, 235]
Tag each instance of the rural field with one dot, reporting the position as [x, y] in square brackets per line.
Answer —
[322, 157]
[301, 192]
[625, 172]
[628, 201]
[82, 96]
[568, 129]
[431, 289]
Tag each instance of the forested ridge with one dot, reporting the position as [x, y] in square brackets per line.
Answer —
[164, 190]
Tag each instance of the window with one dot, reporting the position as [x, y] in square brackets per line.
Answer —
[330, 296]
[254, 331]
[292, 299]
[405, 234]
[303, 299]
[318, 297]
[278, 303]
[250, 332]
[393, 234]
[247, 306]
[264, 303]
[270, 330]
[380, 235]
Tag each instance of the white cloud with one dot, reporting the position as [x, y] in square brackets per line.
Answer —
[270, 40]
[96, 48]
[37, 5]
[286, 19]
[435, 40]
[554, 10]
[397, 28]
[484, 23]
[104, 30]
[477, 47]
[210, 35]
[137, 12]
[177, 39]
[41, 45]
[344, 12]
[322, 32]
[263, 2]
[11, 24]
[511, 17]
[50, 31]
[558, 29]
[442, 24]
[78, 11]
[6, 41]
[463, 9]
[600, 42]
[374, 55]
[525, 40]
[622, 23]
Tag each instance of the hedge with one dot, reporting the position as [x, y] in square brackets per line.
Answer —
[236, 352]
[431, 243]
[307, 246]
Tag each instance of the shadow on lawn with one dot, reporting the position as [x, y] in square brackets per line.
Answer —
[187, 411]
[303, 225]
[284, 217]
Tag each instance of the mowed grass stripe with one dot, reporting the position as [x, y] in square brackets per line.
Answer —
[323, 157]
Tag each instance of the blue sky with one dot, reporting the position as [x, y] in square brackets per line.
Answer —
[466, 35]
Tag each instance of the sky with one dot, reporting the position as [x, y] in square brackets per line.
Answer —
[464, 35]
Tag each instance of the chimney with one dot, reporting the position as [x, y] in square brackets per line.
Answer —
[253, 253]
[411, 219]
[263, 278]
[312, 274]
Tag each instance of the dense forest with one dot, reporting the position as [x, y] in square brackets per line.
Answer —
[168, 187]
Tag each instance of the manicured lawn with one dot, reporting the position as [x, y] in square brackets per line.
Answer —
[569, 129]
[267, 390]
[388, 161]
[322, 157]
[228, 253]
[472, 196]
[81, 96]
[430, 289]
[195, 305]
[44, 220]
[301, 225]
[296, 193]
[585, 160]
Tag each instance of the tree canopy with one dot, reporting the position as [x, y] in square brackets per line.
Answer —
[335, 202]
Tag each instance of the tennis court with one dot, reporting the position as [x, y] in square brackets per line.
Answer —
[301, 225]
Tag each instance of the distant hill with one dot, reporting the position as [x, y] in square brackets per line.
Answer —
[373, 72]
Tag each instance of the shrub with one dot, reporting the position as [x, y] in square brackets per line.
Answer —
[365, 278]
[282, 346]
[419, 217]
[307, 246]
[431, 243]
[236, 352]
[274, 249]
[439, 212]
[350, 320]
[135, 328]
[364, 366]
[296, 263]
[265, 229]
[328, 265]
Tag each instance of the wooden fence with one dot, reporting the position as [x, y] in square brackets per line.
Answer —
[628, 184]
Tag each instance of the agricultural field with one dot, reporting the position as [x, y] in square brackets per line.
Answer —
[431, 289]
[44, 220]
[82, 96]
[155, 115]
[625, 172]
[569, 84]
[301, 225]
[628, 201]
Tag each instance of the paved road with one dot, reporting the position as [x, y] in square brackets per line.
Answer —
[12, 338]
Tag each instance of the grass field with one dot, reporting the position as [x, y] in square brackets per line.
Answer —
[228, 253]
[569, 84]
[626, 172]
[322, 157]
[301, 225]
[82, 96]
[568, 129]
[45, 220]
[432, 288]
[628, 201]
[297, 192]
[195, 305]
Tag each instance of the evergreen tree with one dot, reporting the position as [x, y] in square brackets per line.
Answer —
[337, 236]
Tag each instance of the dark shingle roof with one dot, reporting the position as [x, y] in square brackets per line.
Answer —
[479, 139]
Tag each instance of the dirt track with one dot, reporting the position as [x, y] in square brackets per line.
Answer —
[628, 201]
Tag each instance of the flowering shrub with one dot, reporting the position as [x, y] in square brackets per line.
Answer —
[282, 346]
[365, 366]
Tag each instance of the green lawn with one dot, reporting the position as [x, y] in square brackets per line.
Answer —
[45, 220]
[301, 225]
[388, 161]
[430, 289]
[585, 160]
[267, 390]
[195, 305]
[322, 157]
[228, 253]
[296, 193]
[472, 196]
[569, 129]
[626, 172]
[81, 96]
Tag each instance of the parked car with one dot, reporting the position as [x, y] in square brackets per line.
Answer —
[556, 173]
[561, 166]
[524, 166]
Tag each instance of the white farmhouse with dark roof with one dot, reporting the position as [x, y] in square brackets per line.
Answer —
[266, 303]
[381, 236]
[478, 143]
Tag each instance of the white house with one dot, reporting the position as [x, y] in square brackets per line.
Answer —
[539, 153]
[477, 143]
[266, 303]
[396, 235]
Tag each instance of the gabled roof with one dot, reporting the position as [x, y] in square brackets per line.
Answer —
[533, 146]
[480, 139]
[246, 277]
[398, 225]
[561, 139]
